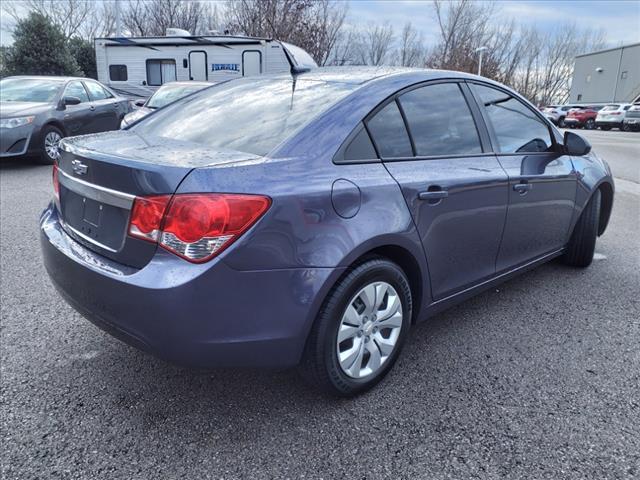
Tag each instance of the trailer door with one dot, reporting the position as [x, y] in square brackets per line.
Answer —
[251, 63]
[198, 66]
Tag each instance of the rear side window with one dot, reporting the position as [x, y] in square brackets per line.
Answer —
[97, 92]
[517, 128]
[389, 133]
[118, 73]
[75, 89]
[440, 121]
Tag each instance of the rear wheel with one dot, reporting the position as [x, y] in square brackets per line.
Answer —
[582, 244]
[360, 330]
[625, 128]
[590, 124]
[561, 123]
[50, 144]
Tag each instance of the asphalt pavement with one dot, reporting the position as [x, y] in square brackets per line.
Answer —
[538, 378]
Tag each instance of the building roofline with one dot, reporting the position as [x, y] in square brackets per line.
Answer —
[621, 47]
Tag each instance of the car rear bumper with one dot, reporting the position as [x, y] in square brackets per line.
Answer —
[205, 315]
[15, 141]
[607, 123]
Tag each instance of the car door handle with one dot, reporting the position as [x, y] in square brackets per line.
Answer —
[433, 195]
[522, 188]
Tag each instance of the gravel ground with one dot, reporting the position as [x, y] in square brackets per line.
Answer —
[539, 378]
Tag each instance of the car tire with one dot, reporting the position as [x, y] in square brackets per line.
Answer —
[561, 123]
[590, 124]
[374, 348]
[48, 141]
[582, 244]
[625, 128]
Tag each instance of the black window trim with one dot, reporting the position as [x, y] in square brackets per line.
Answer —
[478, 119]
[126, 72]
[557, 147]
[146, 66]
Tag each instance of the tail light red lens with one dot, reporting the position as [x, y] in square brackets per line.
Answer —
[196, 227]
[56, 182]
[147, 215]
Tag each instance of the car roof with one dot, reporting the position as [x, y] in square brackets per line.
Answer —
[50, 77]
[359, 75]
[187, 84]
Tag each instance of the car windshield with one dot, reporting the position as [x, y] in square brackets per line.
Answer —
[246, 115]
[610, 108]
[29, 89]
[169, 93]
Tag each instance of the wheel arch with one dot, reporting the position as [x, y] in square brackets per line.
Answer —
[606, 205]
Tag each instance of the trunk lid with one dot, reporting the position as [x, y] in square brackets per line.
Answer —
[100, 175]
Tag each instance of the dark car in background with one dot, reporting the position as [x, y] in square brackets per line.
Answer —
[37, 112]
[582, 117]
[310, 221]
[167, 93]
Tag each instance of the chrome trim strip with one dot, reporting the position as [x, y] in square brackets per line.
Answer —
[96, 192]
[89, 239]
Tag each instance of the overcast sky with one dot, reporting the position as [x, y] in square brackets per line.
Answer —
[619, 18]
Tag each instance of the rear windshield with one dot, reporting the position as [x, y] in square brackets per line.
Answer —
[167, 94]
[610, 108]
[248, 115]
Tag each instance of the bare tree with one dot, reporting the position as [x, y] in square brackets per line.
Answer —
[373, 44]
[411, 51]
[68, 15]
[314, 25]
[153, 17]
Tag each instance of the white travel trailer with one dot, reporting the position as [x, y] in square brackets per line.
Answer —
[137, 66]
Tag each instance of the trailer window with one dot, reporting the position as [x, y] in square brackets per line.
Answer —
[118, 73]
[160, 72]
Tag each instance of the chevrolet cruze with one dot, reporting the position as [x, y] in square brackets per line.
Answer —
[311, 220]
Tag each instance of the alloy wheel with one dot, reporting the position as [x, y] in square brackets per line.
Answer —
[369, 330]
[52, 145]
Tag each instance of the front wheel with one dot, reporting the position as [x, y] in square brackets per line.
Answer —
[582, 243]
[590, 124]
[50, 145]
[360, 330]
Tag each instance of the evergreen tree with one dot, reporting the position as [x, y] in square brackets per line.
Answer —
[39, 48]
[85, 56]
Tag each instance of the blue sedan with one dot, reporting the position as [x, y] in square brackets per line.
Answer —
[311, 220]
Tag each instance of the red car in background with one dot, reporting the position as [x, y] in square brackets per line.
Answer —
[582, 117]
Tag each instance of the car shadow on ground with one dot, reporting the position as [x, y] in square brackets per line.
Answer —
[156, 393]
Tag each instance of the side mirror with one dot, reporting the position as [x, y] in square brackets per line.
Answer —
[576, 145]
[71, 101]
[140, 103]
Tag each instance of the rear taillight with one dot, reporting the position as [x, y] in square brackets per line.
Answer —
[195, 226]
[146, 217]
[56, 182]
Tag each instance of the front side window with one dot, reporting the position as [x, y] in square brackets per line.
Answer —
[517, 128]
[440, 121]
[75, 89]
[97, 92]
[118, 73]
[160, 72]
[389, 133]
